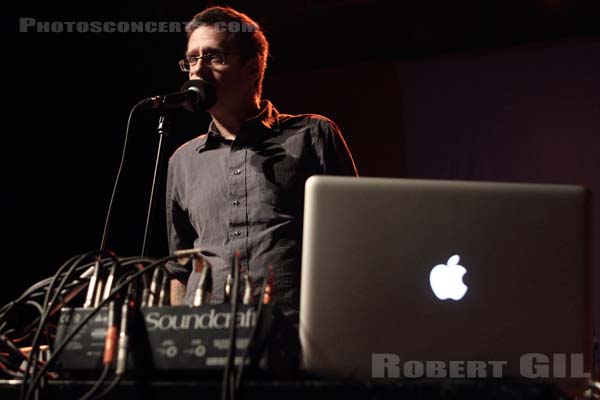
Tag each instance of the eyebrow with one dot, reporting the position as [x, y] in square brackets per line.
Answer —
[205, 49]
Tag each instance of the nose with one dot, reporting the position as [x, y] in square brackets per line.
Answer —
[195, 71]
[201, 71]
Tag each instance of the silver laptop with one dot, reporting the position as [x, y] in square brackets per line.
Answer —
[407, 278]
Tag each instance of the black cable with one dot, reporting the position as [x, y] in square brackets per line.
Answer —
[75, 260]
[93, 312]
[32, 358]
[29, 302]
[227, 385]
[13, 374]
[28, 296]
[48, 305]
[35, 287]
[31, 290]
[117, 179]
[133, 263]
[252, 338]
[128, 261]
[35, 305]
[41, 284]
[32, 354]
[10, 347]
[109, 348]
[97, 384]
[38, 308]
[10, 367]
[124, 327]
[39, 289]
[58, 292]
[109, 388]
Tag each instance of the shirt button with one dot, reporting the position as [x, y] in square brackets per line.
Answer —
[237, 233]
[237, 171]
[235, 202]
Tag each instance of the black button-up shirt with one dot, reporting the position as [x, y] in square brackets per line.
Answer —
[247, 195]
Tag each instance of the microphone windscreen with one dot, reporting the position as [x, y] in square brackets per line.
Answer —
[207, 95]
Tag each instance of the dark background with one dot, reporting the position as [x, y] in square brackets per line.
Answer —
[479, 90]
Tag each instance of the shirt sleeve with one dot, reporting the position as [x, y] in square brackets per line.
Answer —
[181, 233]
[336, 156]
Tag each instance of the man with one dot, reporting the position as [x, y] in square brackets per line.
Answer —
[240, 187]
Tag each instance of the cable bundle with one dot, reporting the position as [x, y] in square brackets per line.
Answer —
[47, 297]
[132, 289]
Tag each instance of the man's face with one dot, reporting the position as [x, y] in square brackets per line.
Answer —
[234, 79]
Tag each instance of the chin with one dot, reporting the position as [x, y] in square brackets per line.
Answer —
[218, 109]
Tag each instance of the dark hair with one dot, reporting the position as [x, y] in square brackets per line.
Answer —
[243, 32]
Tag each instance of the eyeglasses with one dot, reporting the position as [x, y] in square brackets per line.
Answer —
[208, 59]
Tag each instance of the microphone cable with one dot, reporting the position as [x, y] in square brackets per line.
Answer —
[118, 177]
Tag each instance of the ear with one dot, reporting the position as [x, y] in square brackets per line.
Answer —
[253, 68]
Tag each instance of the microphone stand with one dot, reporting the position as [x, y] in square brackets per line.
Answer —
[163, 131]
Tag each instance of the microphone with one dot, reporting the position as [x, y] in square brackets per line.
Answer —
[195, 95]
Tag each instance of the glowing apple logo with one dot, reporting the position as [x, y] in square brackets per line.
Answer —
[446, 280]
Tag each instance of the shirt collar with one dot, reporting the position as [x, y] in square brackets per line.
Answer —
[267, 120]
